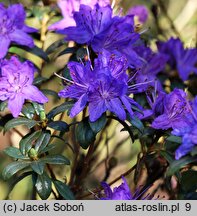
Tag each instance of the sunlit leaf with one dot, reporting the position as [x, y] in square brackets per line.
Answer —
[14, 152]
[19, 121]
[43, 186]
[55, 159]
[64, 190]
[13, 168]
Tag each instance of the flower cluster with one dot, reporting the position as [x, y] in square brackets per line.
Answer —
[16, 85]
[13, 28]
[98, 28]
[105, 87]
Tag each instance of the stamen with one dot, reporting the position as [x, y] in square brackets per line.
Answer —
[138, 194]
[143, 31]
[70, 81]
[132, 77]
[138, 84]
[94, 194]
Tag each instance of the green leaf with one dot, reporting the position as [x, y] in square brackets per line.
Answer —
[13, 168]
[38, 167]
[39, 79]
[38, 107]
[55, 45]
[19, 121]
[66, 73]
[47, 149]
[43, 140]
[174, 139]
[50, 92]
[59, 126]
[35, 50]
[68, 51]
[99, 124]
[136, 122]
[14, 152]
[59, 109]
[3, 105]
[84, 134]
[194, 151]
[178, 164]
[55, 159]
[28, 110]
[26, 142]
[64, 190]
[135, 108]
[169, 157]
[81, 53]
[43, 186]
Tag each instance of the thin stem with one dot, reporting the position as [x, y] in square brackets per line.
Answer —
[18, 132]
[86, 161]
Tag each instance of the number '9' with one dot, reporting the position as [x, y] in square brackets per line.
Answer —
[187, 206]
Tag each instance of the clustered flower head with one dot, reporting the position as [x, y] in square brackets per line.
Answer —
[16, 84]
[105, 87]
[13, 28]
[98, 28]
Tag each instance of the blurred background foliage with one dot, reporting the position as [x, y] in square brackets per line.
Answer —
[166, 18]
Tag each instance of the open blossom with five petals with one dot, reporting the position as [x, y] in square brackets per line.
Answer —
[175, 110]
[68, 7]
[180, 58]
[13, 28]
[16, 85]
[103, 88]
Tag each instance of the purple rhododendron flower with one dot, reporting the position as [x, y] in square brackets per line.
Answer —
[152, 64]
[156, 102]
[188, 132]
[13, 28]
[68, 7]
[176, 108]
[104, 88]
[123, 192]
[140, 11]
[97, 27]
[182, 59]
[16, 85]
